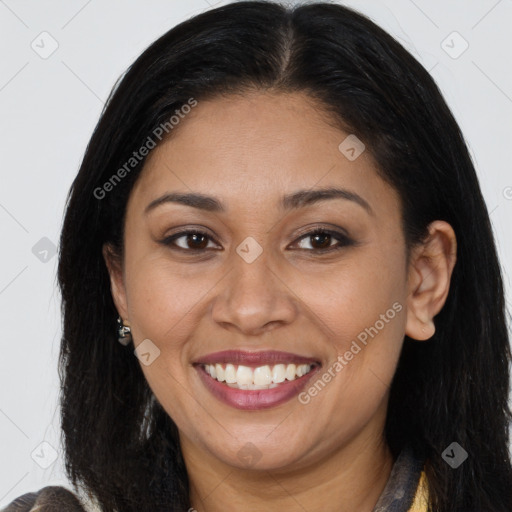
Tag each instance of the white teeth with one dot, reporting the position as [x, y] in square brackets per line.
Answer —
[229, 374]
[262, 377]
[243, 375]
[290, 372]
[220, 372]
[279, 373]
[302, 370]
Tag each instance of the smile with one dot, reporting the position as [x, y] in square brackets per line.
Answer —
[261, 377]
[255, 380]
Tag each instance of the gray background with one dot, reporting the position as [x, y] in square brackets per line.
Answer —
[50, 103]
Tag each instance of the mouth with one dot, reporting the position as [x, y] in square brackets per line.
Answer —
[261, 377]
[255, 380]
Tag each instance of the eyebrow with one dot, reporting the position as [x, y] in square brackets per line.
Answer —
[295, 200]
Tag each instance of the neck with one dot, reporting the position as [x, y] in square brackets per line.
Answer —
[351, 478]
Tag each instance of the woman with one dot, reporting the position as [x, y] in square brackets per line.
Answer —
[278, 217]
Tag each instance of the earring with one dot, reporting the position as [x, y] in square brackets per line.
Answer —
[124, 333]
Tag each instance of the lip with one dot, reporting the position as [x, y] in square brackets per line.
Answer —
[254, 359]
[255, 399]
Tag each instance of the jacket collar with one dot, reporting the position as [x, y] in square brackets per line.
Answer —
[398, 495]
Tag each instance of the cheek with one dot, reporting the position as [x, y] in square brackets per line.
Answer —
[352, 296]
[161, 300]
[163, 307]
[360, 309]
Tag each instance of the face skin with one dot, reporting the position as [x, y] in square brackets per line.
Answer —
[248, 152]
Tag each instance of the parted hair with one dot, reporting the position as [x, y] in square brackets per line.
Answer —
[120, 445]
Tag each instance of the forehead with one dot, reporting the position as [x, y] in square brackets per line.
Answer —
[256, 148]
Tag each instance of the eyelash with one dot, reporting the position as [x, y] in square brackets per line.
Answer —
[343, 240]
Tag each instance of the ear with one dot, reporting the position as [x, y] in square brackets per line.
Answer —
[117, 287]
[430, 270]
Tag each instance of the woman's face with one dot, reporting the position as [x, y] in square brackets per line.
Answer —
[256, 293]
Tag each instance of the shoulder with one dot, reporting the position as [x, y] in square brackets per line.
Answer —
[47, 499]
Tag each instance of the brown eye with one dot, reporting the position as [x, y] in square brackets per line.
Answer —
[189, 241]
[196, 241]
[322, 240]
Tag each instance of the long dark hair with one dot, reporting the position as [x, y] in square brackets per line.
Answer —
[120, 445]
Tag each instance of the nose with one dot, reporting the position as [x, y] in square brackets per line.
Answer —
[253, 298]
